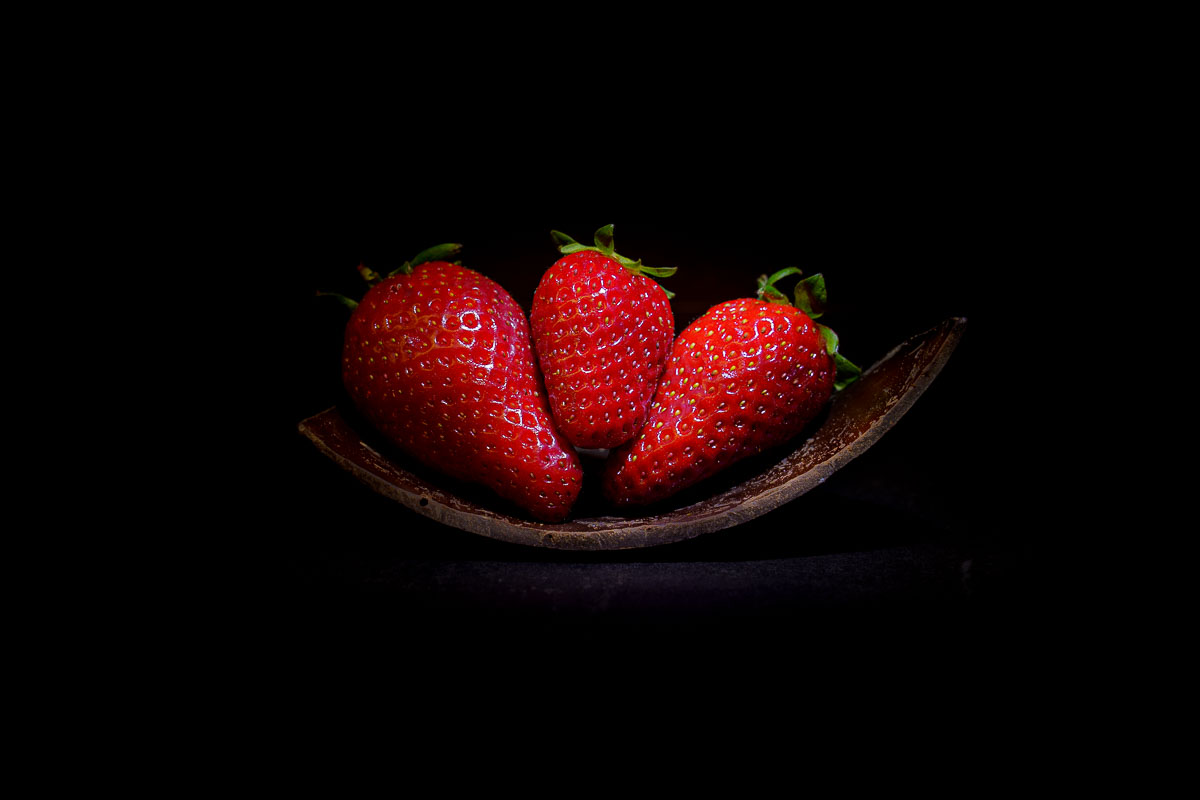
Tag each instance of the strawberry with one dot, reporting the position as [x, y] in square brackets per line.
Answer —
[745, 377]
[438, 358]
[602, 330]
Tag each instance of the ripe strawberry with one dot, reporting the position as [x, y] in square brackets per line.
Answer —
[602, 330]
[748, 375]
[438, 358]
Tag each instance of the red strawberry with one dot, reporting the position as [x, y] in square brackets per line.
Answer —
[438, 358]
[748, 375]
[602, 330]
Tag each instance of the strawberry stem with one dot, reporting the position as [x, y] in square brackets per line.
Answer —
[369, 275]
[604, 245]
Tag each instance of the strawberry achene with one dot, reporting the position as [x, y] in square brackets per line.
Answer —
[745, 377]
[440, 361]
[602, 332]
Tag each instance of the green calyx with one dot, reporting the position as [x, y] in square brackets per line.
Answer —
[810, 297]
[809, 293]
[440, 252]
[604, 244]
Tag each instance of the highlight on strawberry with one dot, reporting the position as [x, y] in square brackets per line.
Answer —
[438, 358]
[602, 329]
[747, 376]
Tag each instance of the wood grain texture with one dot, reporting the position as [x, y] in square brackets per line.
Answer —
[854, 421]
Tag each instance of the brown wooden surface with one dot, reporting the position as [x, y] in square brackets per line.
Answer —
[855, 421]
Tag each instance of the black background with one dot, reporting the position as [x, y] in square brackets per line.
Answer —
[936, 553]
[926, 543]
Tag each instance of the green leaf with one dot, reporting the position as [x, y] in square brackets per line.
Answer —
[642, 269]
[847, 372]
[604, 240]
[766, 285]
[341, 298]
[574, 247]
[405, 268]
[562, 240]
[783, 273]
[768, 292]
[831, 338]
[810, 295]
[773, 295]
[439, 252]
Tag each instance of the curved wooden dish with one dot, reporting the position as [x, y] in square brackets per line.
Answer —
[855, 420]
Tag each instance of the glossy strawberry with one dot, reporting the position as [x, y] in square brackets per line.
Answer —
[438, 358]
[747, 376]
[602, 330]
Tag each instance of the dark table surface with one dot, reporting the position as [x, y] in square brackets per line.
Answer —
[919, 539]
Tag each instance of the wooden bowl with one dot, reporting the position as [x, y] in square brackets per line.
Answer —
[854, 421]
